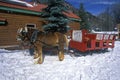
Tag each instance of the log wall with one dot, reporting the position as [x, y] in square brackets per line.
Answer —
[15, 21]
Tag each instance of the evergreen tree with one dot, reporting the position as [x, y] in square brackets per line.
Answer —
[84, 18]
[115, 11]
[107, 20]
[53, 14]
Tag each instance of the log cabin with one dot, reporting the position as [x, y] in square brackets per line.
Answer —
[16, 15]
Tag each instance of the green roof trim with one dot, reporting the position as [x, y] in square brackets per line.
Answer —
[20, 10]
[29, 12]
[74, 19]
[2, 23]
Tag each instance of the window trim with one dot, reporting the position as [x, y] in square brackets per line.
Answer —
[31, 24]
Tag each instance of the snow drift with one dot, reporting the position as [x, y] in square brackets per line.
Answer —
[18, 65]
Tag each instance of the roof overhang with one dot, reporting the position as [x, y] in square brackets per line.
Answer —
[4, 8]
[36, 11]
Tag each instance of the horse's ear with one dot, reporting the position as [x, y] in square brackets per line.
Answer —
[26, 29]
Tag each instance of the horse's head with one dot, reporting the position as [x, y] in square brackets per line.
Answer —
[22, 34]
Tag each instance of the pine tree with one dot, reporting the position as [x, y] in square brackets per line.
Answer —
[84, 18]
[53, 14]
[107, 20]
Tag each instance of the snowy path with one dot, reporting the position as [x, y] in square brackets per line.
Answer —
[14, 65]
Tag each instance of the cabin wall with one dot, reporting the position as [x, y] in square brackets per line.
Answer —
[74, 25]
[15, 21]
[8, 32]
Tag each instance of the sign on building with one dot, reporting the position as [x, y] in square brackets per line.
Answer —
[77, 35]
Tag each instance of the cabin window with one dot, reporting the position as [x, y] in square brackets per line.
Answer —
[33, 26]
[3, 22]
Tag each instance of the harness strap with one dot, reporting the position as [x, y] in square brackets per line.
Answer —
[34, 36]
[47, 45]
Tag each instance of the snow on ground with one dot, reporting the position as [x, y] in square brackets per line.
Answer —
[15, 65]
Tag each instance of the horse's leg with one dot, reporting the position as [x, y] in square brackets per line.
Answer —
[40, 54]
[61, 53]
[36, 53]
[66, 43]
[61, 48]
[66, 40]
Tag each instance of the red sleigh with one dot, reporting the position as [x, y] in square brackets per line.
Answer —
[83, 41]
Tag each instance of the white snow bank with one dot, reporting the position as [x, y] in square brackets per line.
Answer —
[15, 65]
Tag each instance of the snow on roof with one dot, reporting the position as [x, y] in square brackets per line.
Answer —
[22, 2]
[37, 8]
[105, 32]
[30, 7]
[18, 2]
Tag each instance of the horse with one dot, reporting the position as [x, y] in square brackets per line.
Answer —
[38, 39]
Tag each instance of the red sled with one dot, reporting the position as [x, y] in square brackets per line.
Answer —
[84, 41]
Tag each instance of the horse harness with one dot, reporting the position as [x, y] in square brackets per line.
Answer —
[34, 36]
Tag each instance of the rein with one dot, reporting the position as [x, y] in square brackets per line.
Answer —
[47, 45]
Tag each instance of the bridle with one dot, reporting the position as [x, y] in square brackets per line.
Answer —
[22, 34]
[23, 37]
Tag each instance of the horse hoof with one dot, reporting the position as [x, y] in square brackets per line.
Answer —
[61, 56]
[35, 62]
[40, 62]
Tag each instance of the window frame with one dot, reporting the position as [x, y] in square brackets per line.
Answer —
[31, 24]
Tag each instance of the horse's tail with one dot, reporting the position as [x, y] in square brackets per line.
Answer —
[64, 39]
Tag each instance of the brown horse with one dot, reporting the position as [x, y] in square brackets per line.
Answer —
[41, 39]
